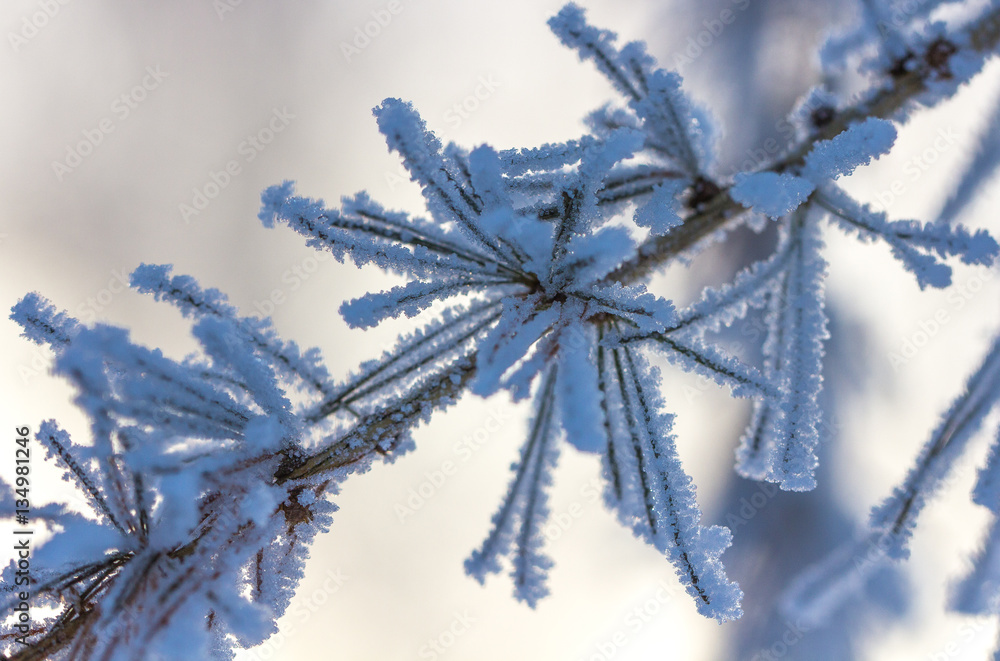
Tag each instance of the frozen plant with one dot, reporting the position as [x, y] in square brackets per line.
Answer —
[208, 478]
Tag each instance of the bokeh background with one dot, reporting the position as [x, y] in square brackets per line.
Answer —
[386, 582]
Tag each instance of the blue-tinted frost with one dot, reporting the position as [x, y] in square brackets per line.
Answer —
[856, 146]
[771, 194]
[205, 479]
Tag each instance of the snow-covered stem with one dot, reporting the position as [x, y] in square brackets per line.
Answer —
[719, 209]
[362, 442]
[206, 478]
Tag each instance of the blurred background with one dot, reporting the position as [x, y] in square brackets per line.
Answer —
[145, 132]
